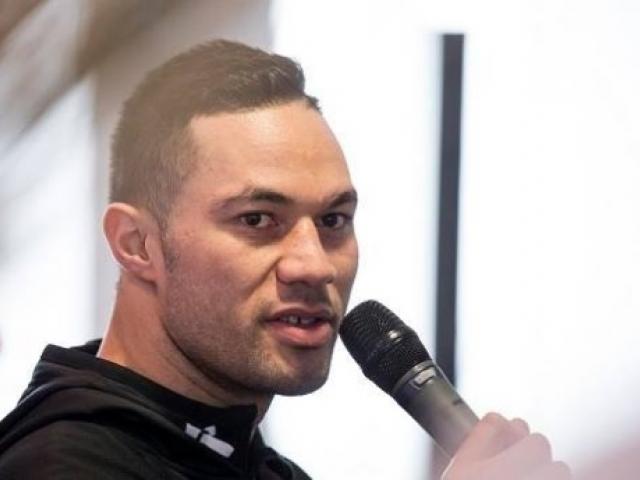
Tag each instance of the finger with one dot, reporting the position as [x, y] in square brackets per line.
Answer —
[524, 457]
[552, 471]
[520, 427]
[489, 436]
[518, 430]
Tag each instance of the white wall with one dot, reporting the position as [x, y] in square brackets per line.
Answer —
[550, 246]
[46, 230]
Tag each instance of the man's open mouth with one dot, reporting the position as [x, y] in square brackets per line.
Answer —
[303, 329]
[298, 320]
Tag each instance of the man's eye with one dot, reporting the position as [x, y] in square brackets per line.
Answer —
[257, 220]
[335, 221]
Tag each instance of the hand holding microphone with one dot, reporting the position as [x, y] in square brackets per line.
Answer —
[393, 357]
[499, 449]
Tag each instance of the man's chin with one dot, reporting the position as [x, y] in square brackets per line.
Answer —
[300, 382]
[294, 389]
[302, 372]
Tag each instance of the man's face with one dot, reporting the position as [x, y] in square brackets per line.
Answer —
[260, 250]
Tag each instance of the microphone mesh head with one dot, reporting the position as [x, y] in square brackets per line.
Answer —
[382, 344]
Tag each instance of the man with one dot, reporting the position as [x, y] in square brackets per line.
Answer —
[231, 219]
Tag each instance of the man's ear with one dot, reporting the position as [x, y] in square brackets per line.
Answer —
[134, 238]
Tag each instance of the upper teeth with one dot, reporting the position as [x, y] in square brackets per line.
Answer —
[295, 320]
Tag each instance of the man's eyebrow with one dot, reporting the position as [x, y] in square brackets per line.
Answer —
[350, 196]
[252, 194]
[256, 195]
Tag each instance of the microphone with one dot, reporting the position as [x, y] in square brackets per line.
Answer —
[393, 357]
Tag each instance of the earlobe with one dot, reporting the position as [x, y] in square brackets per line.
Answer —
[130, 233]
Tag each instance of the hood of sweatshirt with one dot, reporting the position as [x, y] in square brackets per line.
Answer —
[73, 384]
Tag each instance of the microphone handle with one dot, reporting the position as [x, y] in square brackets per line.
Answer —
[428, 396]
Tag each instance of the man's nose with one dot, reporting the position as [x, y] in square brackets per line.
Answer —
[304, 258]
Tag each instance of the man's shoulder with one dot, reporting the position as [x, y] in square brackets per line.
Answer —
[70, 449]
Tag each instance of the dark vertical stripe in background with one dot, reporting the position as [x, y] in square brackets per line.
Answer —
[446, 285]
[450, 136]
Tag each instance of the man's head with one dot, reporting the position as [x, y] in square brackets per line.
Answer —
[152, 149]
[243, 239]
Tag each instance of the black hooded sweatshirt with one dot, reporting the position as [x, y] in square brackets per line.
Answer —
[82, 417]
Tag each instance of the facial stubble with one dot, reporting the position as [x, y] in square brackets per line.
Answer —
[236, 354]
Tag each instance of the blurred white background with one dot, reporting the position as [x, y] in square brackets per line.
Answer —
[550, 232]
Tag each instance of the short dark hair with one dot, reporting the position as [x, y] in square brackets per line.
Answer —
[152, 151]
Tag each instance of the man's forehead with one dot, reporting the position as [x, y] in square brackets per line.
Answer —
[292, 125]
[280, 148]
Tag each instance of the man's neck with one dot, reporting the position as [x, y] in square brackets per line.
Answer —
[136, 339]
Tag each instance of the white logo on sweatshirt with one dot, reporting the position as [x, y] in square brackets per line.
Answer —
[207, 436]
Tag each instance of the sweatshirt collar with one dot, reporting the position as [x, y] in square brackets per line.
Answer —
[227, 431]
